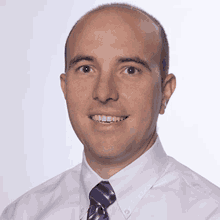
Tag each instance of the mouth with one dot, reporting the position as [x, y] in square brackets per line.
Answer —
[104, 119]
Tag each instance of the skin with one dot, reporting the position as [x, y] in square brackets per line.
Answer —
[105, 85]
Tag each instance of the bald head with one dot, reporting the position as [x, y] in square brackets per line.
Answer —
[131, 15]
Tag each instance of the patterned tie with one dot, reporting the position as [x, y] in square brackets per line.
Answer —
[101, 197]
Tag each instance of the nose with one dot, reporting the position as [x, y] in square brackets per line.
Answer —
[105, 89]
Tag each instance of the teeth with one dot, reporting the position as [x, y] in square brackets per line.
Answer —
[103, 118]
[107, 119]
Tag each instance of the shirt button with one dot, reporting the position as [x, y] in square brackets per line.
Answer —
[127, 211]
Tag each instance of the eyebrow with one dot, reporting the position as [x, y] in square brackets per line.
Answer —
[135, 59]
[79, 58]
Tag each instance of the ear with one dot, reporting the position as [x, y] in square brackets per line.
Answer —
[169, 86]
[63, 83]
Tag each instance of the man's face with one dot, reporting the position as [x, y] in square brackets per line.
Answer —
[106, 81]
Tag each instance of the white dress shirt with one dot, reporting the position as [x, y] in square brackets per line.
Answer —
[154, 186]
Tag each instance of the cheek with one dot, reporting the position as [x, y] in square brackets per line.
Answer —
[146, 117]
[146, 104]
[78, 95]
[76, 106]
[141, 98]
[78, 92]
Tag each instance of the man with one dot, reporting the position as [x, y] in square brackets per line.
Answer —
[116, 83]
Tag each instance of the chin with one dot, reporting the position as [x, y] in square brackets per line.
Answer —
[108, 152]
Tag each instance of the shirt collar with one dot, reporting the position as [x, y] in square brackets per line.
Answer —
[131, 183]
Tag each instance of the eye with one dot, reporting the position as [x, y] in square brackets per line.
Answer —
[85, 69]
[132, 70]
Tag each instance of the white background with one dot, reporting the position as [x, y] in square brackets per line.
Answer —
[37, 141]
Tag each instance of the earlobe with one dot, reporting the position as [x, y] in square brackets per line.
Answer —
[63, 83]
[169, 87]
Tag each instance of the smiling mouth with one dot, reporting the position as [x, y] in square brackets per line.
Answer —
[103, 119]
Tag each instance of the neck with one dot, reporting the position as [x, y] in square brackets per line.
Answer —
[106, 170]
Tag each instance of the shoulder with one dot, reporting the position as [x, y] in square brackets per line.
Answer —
[194, 180]
[64, 186]
[189, 189]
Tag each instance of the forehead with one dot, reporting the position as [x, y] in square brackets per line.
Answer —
[120, 30]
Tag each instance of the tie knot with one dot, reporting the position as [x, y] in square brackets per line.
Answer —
[102, 194]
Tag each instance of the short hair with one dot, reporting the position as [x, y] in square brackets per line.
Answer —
[164, 58]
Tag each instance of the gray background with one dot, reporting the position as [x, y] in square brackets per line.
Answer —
[37, 141]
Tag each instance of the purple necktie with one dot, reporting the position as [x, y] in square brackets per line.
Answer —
[101, 197]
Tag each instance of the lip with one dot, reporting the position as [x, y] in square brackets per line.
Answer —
[107, 126]
[108, 112]
[126, 116]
